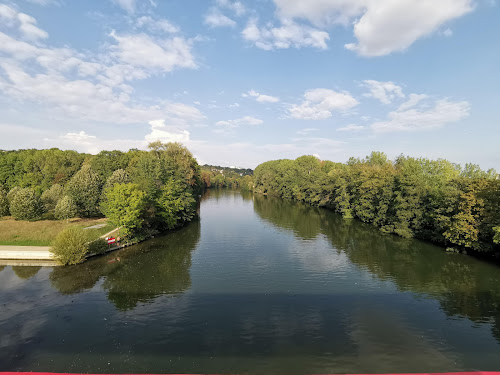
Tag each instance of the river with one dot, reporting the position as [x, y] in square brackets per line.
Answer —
[256, 285]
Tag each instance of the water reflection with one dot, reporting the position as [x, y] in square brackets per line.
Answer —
[136, 274]
[25, 273]
[463, 286]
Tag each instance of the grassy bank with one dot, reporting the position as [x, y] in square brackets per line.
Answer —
[41, 233]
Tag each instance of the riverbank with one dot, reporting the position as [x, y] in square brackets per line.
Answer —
[42, 233]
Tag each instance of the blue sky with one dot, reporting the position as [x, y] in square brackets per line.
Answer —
[242, 82]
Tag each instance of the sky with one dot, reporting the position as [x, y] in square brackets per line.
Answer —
[242, 82]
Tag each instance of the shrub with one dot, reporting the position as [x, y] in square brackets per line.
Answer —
[4, 203]
[71, 246]
[26, 205]
[51, 196]
[98, 246]
[65, 208]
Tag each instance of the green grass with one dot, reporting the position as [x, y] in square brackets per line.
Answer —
[42, 232]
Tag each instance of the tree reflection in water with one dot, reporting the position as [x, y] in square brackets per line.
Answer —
[136, 274]
[464, 286]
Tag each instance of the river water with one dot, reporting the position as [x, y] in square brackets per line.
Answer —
[257, 285]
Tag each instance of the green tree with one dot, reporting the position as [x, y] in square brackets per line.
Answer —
[65, 208]
[51, 196]
[120, 176]
[125, 206]
[175, 204]
[26, 205]
[12, 193]
[85, 189]
[4, 202]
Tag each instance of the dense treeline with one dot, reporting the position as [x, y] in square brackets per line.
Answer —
[412, 197]
[225, 177]
[143, 192]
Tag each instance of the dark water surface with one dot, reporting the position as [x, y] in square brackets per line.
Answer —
[257, 285]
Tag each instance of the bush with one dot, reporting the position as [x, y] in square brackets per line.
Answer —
[4, 203]
[65, 208]
[71, 246]
[98, 246]
[26, 205]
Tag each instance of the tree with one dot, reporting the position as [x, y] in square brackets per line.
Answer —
[71, 246]
[125, 206]
[120, 176]
[51, 196]
[4, 203]
[26, 205]
[12, 193]
[176, 204]
[65, 208]
[85, 189]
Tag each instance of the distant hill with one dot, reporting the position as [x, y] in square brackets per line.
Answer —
[227, 171]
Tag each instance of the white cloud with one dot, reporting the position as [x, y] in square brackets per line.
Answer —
[380, 26]
[247, 120]
[412, 101]
[351, 128]
[44, 2]
[319, 104]
[214, 18]
[235, 6]
[164, 133]
[443, 112]
[386, 92]
[157, 25]
[127, 5]
[289, 34]
[141, 50]
[91, 88]
[321, 13]
[261, 98]
[25, 23]
[448, 32]
[394, 25]
[306, 131]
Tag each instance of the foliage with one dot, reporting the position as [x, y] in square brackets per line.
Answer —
[12, 193]
[125, 206]
[120, 176]
[85, 188]
[26, 205]
[224, 177]
[4, 203]
[39, 169]
[73, 184]
[51, 196]
[65, 208]
[71, 246]
[98, 246]
[175, 204]
[411, 197]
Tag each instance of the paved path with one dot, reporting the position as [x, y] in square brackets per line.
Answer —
[26, 252]
[97, 226]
